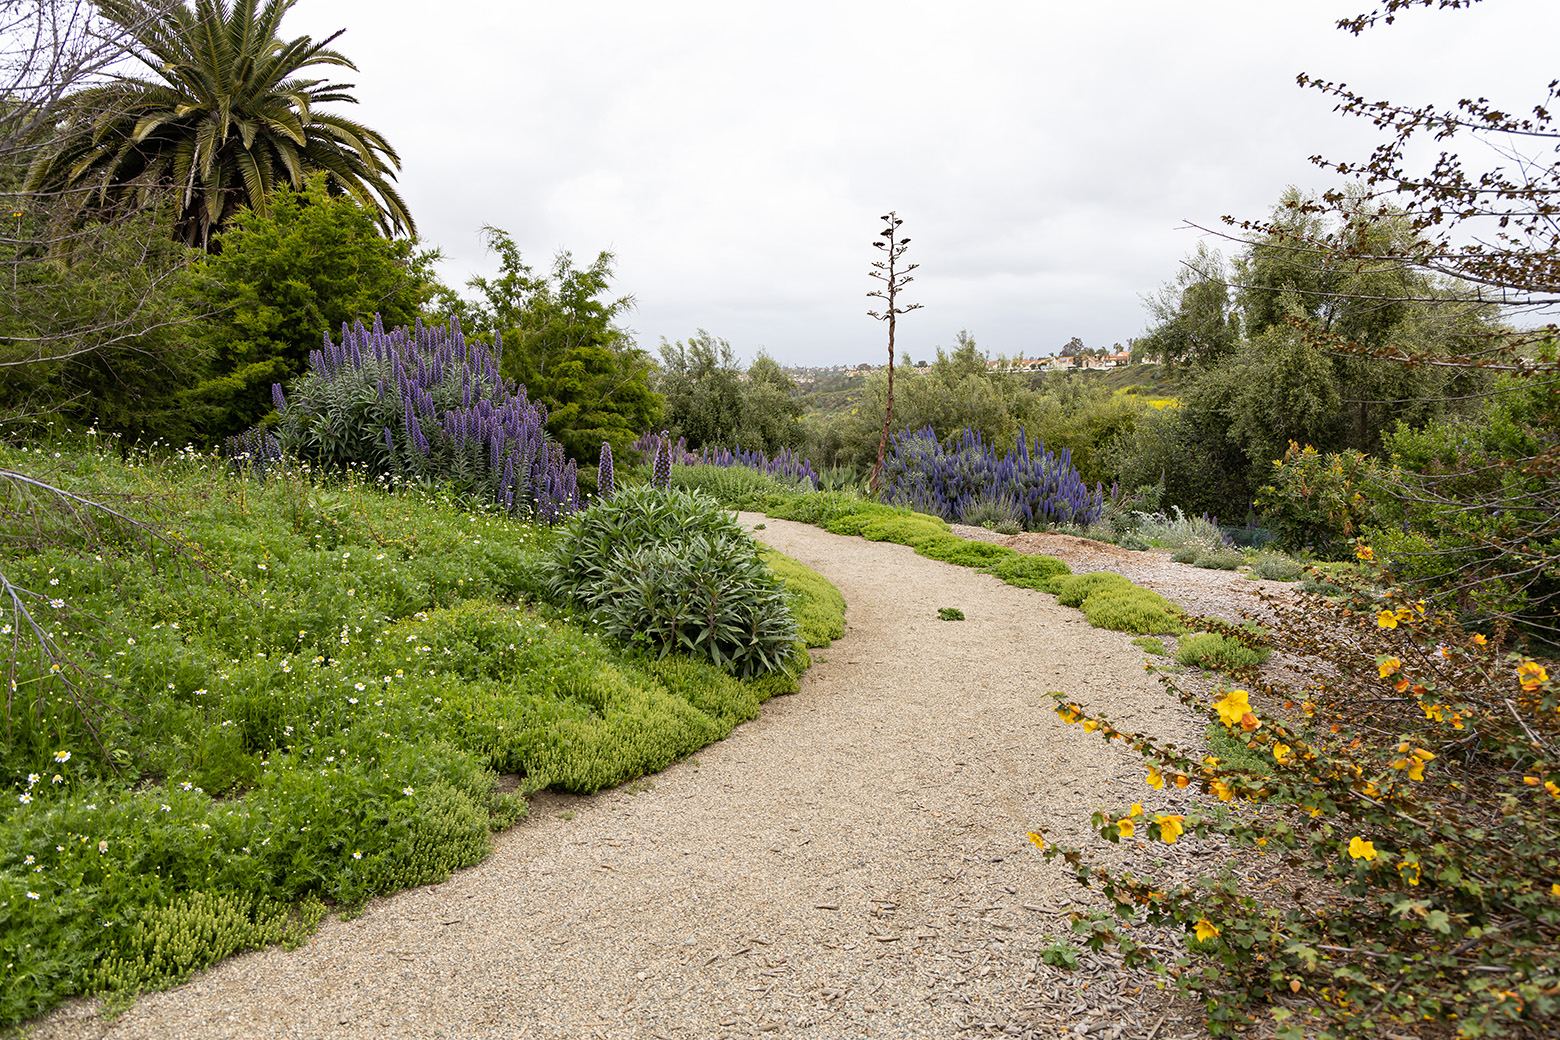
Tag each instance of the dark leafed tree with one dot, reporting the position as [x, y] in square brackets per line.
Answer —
[1480, 222]
[224, 117]
[894, 279]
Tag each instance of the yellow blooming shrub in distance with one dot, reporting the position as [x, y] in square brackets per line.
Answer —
[1413, 768]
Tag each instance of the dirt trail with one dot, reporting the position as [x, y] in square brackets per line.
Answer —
[851, 864]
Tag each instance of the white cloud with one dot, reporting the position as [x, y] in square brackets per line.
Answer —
[736, 157]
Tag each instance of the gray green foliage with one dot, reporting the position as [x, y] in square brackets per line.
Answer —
[1220, 652]
[710, 404]
[671, 570]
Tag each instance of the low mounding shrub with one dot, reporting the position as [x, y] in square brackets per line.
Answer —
[1219, 559]
[423, 404]
[819, 508]
[1140, 612]
[1219, 652]
[1030, 572]
[910, 529]
[1111, 601]
[1030, 485]
[961, 553]
[735, 487]
[1072, 591]
[672, 570]
[1275, 567]
[1180, 531]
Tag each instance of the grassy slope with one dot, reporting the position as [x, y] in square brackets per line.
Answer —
[307, 705]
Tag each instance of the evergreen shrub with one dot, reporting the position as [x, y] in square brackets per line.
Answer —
[423, 404]
[961, 553]
[1224, 653]
[671, 570]
[1030, 571]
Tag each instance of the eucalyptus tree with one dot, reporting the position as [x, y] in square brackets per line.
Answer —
[223, 118]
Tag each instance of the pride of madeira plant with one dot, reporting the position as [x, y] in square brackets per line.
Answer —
[424, 404]
[672, 571]
[1032, 485]
[1415, 775]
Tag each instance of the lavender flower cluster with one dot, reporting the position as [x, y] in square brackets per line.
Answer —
[786, 464]
[253, 452]
[649, 444]
[661, 470]
[423, 403]
[1036, 484]
[606, 488]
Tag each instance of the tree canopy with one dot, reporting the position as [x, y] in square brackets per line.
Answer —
[225, 119]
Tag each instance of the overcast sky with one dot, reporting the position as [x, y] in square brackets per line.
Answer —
[736, 156]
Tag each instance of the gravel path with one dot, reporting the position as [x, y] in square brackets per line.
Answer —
[851, 864]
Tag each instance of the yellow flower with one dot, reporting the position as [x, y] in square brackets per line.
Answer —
[1169, 827]
[1126, 827]
[1554, 890]
[1479, 640]
[1433, 712]
[1235, 704]
[1409, 872]
[1554, 791]
[1363, 552]
[1532, 675]
[1359, 848]
[1156, 780]
[1136, 810]
[1281, 753]
[1386, 619]
[1090, 725]
[1068, 715]
[1389, 666]
[1222, 789]
[1039, 841]
[1206, 930]
[1416, 764]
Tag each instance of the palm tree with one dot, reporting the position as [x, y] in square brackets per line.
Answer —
[226, 120]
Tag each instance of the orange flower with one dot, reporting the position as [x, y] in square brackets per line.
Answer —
[1235, 705]
[1181, 779]
[1359, 848]
[1250, 723]
[1169, 827]
[1532, 675]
